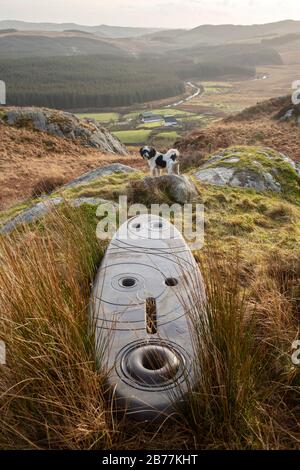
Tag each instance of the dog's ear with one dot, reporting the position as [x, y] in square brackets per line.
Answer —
[142, 151]
[152, 152]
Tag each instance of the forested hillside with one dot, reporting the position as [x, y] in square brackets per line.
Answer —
[15, 46]
[87, 81]
[77, 69]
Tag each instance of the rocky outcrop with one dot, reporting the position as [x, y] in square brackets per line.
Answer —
[89, 177]
[31, 214]
[290, 113]
[40, 209]
[257, 168]
[179, 188]
[62, 124]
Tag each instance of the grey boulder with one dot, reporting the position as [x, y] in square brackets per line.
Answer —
[261, 169]
[87, 178]
[179, 188]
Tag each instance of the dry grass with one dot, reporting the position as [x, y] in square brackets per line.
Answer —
[283, 137]
[27, 156]
[52, 396]
[47, 186]
[50, 393]
[247, 394]
[257, 125]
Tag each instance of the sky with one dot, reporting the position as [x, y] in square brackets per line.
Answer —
[151, 13]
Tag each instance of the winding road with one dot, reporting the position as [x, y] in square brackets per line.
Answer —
[197, 92]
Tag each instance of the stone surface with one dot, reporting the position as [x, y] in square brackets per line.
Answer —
[39, 210]
[290, 113]
[98, 173]
[91, 201]
[179, 188]
[31, 214]
[256, 168]
[62, 124]
[146, 290]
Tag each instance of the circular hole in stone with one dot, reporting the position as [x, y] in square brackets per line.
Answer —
[128, 282]
[157, 225]
[171, 282]
[152, 364]
[154, 359]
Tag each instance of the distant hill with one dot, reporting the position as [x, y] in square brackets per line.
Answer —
[87, 81]
[7, 31]
[217, 34]
[101, 30]
[19, 45]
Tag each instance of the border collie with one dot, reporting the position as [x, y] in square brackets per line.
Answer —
[158, 161]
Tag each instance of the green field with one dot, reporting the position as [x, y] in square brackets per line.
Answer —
[133, 137]
[151, 125]
[161, 111]
[171, 112]
[173, 135]
[198, 117]
[132, 115]
[142, 133]
[101, 117]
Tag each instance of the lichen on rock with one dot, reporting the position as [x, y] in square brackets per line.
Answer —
[66, 125]
[257, 168]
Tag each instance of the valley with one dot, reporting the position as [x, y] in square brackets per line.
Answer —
[98, 69]
[81, 100]
[212, 101]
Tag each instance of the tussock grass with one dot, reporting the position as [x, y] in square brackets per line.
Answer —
[247, 389]
[47, 186]
[246, 393]
[50, 393]
[221, 407]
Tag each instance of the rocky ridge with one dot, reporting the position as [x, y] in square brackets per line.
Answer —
[87, 132]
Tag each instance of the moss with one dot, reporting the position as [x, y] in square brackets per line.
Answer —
[107, 187]
[258, 222]
[3, 114]
[261, 160]
[15, 210]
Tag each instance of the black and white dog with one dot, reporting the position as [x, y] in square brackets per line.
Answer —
[158, 161]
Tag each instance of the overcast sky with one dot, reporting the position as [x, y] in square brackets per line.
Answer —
[154, 13]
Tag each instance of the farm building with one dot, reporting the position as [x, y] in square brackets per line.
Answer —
[171, 121]
[150, 117]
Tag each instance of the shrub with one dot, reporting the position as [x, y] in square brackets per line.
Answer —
[47, 185]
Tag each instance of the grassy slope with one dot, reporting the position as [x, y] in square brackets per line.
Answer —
[248, 397]
[133, 137]
[251, 264]
[102, 117]
[29, 158]
[284, 137]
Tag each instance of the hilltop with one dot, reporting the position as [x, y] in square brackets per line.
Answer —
[30, 156]
[101, 30]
